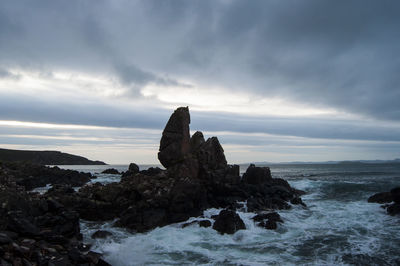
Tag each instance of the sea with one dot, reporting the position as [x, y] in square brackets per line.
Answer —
[338, 227]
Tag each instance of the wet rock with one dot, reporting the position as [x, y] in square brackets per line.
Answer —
[257, 175]
[205, 223]
[382, 197]
[111, 171]
[298, 201]
[268, 220]
[394, 209]
[175, 141]
[396, 194]
[228, 222]
[202, 223]
[101, 234]
[387, 197]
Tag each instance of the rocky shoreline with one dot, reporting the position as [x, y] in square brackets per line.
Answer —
[197, 177]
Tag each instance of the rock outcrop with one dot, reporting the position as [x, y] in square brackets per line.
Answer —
[197, 177]
[38, 230]
[393, 197]
[174, 144]
[228, 222]
[32, 175]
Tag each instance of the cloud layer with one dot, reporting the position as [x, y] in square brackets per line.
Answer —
[123, 63]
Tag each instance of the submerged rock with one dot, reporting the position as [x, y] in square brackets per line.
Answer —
[228, 222]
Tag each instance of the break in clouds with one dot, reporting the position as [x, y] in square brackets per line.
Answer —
[340, 56]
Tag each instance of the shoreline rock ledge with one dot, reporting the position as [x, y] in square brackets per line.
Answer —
[197, 177]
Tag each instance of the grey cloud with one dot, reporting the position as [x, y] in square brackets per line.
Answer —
[99, 114]
[5, 74]
[339, 54]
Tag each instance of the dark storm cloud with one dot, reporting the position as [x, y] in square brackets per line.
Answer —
[336, 54]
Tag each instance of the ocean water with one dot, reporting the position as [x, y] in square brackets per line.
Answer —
[339, 226]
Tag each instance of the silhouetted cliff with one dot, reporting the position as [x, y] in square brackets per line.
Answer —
[45, 157]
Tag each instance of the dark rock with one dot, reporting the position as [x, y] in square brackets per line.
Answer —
[101, 234]
[211, 155]
[152, 171]
[382, 197]
[175, 141]
[134, 168]
[257, 175]
[396, 194]
[202, 223]
[189, 223]
[228, 222]
[268, 220]
[111, 171]
[205, 223]
[196, 141]
[267, 216]
[297, 201]
[4, 239]
[19, 223]
[394, 209]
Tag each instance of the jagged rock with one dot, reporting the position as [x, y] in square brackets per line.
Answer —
[211, 155]
[111, 171]
[175, 141]
[382, 197]
[228, 222]
[196, 141]
[257, 175]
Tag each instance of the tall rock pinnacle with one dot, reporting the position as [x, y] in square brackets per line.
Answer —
[175, 141]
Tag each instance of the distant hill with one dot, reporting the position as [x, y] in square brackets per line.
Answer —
[45, 157]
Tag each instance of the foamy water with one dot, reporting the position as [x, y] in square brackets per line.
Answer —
[339, 227]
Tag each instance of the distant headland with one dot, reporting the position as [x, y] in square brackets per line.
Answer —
[45, 157]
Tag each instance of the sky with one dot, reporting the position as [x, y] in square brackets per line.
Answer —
[275, 81]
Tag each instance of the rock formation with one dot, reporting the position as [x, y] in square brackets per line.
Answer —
[38, 230]
[174, 144]
[392, 198]
[197, 177]
[43, 228]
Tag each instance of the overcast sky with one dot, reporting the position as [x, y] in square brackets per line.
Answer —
[274, 80]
